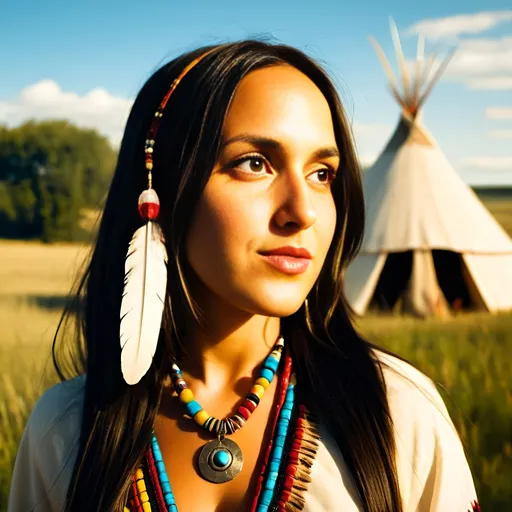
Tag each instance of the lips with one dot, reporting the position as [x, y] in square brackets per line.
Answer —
[288, 260]
[294, 252]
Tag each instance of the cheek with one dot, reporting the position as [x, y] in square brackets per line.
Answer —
[225, 228]
[325, 225]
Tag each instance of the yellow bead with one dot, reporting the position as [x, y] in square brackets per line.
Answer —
[201, 417]
[141, 486]
[139, 474]
[264, 383]
[146, 507]
[186, 396]
[149, 166]
[257, 390]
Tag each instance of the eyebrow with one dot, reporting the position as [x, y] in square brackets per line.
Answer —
[272, 144]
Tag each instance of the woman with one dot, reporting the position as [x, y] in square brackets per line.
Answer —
[227, 297]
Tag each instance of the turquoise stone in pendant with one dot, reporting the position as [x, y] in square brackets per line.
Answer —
[221, 458]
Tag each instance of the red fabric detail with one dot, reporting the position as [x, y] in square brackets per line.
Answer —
[153, 475]
[475, 507]
[290, 470]
[293, 456]
[281, 393]
[288, 481]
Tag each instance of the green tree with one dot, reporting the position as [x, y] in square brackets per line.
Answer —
[49, 171]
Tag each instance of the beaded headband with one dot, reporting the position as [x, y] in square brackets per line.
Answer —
[146, 267]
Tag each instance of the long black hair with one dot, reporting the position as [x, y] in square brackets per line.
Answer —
[337, 370]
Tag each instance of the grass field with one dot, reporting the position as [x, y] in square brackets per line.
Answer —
[468, 355]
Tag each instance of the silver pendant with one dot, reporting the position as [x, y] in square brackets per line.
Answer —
[220, 460]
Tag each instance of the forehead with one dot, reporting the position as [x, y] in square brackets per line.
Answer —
[282, 103]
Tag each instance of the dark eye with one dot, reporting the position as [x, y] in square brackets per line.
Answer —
[252, 164]
[325, 175]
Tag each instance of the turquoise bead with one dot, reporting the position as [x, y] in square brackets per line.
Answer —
[274, 466]
[286, 414]
[271, 363]
[193, 408]
[280, 440]
[221, 458]
[267, 374]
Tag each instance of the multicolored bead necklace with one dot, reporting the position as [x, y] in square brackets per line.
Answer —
[283, 475]
[221, 460]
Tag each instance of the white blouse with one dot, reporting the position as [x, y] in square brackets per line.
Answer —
[432, 467]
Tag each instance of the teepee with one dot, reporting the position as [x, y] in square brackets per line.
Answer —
[430, 245]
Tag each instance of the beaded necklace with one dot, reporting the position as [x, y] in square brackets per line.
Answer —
[284, 473]
[222, 459]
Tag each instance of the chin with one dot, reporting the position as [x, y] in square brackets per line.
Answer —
[278, 304]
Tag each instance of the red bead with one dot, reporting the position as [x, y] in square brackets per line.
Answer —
[249, 405]
[149, 211]
[149, 204]
[244, 412]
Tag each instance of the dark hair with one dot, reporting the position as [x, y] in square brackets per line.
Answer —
[337, 370]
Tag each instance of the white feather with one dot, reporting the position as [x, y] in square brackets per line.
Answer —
[143, 301]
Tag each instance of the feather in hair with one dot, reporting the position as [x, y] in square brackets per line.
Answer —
[143, 301]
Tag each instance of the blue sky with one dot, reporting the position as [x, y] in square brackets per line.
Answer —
[87, 62]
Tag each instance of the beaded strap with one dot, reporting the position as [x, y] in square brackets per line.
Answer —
[153, 475]
[278, 448]
[165, 485]
[235, 422]
[281, 396]
[153, 129]
[140, 494]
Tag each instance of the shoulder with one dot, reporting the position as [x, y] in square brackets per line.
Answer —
[417, 410]
[48, 449]
[59, 407]
[405, 383]
[431, 460]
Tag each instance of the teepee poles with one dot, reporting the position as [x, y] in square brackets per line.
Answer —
[414, 91]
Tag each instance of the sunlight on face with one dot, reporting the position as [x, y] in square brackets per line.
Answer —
[270, 188]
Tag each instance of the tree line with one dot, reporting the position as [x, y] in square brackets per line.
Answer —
[51, 171]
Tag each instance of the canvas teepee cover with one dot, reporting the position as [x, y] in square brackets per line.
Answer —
[429, 244]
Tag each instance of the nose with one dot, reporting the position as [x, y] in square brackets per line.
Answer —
[295, 206]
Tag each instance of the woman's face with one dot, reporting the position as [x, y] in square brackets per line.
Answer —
[269, 189]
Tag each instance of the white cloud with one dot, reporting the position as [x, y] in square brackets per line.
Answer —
[482, 57]
[46, 100]
[489, 163]
[453, 26]
[498, 113]
[490, 83]
[501, 134]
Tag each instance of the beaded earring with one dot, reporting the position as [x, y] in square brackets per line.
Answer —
[146, 268]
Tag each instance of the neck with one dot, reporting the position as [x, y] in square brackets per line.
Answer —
[230, 347]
